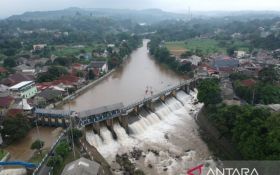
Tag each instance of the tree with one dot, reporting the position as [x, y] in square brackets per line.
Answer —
[53, 73]
[55, 161]
[15, 128]
[38, 145]
[9, 62]
[209, 92]
[76, 134]
[91, 75]
[80, 73]
[62, 61]
[62, 149]
[269, 75]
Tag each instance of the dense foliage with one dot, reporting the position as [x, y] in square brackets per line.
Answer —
[254, 130]
[209, 92]
[38, 145]
[60, 153]
[162, 55]
[53, 73]
[15, 128]
[264, 91]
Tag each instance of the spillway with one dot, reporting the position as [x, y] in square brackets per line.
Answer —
[170, 130]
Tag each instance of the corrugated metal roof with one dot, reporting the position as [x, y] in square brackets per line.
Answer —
[52, 112]
[81, 166]
[100, 110]
[21, 84]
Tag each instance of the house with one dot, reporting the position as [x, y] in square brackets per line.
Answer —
[5, 104]
[98, 67]
[78, 67]
[50, 95]
[17, 78]
[39, 47]
[3, 70]
[25, 69]
[224, 62]
[195, 60]
[63, 82]
[239, 54]
[14, 112]
[24, 89]
[82, 166]
[4, 90]
[23, 105]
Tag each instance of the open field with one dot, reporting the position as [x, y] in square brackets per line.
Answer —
[207, 46]
[70, 50]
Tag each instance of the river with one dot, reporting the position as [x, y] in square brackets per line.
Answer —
[168, 136]
[128, 83]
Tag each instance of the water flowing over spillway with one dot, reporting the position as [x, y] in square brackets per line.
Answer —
[170, 131]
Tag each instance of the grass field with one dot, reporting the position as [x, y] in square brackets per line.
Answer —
[207, 46]
[69, 50]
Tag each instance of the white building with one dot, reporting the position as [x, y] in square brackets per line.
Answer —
[24, 89]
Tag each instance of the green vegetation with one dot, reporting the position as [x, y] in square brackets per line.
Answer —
[77, 134]
[70, 51]
[52, 74]
[15, 128]
[264, 91]
[162, 55]
[60, 157]
[209, 92]
[207, 46]
[254, 130]
[37, 158]
[2, 154]
[38, 145]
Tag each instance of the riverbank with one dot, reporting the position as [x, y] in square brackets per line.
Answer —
[21, 150]
[79, 91]
[221, 147]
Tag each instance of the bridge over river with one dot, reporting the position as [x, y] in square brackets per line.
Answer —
[142, 104]
[107, 113]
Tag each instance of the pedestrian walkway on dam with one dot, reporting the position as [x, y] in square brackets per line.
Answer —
[62, 117]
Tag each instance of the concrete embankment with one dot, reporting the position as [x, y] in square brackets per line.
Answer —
[218, 144]
[80, 91]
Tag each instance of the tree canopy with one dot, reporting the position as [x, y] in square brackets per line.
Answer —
[15, 128]
[209, 91]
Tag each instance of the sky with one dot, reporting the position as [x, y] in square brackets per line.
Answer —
[11, 7]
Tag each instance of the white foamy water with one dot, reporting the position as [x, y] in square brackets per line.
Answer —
[120, 132]
[171, 131]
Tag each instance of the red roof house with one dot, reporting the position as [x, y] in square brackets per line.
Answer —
[6, 102]
[2, 70]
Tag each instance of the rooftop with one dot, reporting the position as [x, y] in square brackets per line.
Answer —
[81, 166]
[21, 84]
[101, 110]
[97, 64]
[52, 112]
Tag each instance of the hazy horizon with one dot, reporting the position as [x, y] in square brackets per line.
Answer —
[7, 8]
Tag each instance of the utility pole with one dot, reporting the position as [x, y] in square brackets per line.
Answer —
[71, 127]
[253, 97]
